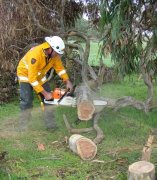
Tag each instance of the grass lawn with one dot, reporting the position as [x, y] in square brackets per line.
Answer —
[126, 131]
[94, 56]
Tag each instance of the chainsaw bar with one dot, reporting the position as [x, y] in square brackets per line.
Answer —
[71, 101]
[66, 101]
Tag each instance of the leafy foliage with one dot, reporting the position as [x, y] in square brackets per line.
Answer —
[129, 31]
[25, 22]
[84, 26]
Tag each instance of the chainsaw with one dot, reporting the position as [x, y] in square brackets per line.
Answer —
[64, 97]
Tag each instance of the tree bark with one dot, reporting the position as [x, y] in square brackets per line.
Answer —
[146, 152]
[148, 82]
[147, 74]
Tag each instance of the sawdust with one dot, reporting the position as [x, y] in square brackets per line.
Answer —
[8, 134]
[8, 128]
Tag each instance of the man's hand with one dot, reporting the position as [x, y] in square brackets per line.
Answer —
[69, 85]
[47, 95]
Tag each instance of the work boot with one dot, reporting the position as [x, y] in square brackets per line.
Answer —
[24, 119]
[49, 118]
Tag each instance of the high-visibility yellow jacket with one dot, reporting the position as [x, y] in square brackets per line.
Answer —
[34, 66]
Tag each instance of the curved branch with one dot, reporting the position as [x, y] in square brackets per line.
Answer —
[125, 101]
[72, 130]
[100, 135]
[37, 21]
[87, 48]
[84, 54]
[147, 77]
[91, 71]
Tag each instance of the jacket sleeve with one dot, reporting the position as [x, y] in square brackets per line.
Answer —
[60, 70]
[33, 65]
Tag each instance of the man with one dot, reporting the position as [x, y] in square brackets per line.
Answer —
[31, 72]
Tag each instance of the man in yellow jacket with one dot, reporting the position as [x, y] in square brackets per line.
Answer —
[31, 72]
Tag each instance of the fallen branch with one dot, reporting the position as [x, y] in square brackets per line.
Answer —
[104, 162]
[146, 152]
[100, 134]
[48, 158]
[126, 101]
[97, 161]
[73, 130]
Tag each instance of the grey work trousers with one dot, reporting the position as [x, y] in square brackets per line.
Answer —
[26, 104]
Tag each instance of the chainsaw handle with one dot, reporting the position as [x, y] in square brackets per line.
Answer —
[71, 93]
[50, 99]
[64, 95]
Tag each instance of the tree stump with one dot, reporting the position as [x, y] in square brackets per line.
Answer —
[141, 170]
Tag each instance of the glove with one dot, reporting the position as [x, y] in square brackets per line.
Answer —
[69, 85]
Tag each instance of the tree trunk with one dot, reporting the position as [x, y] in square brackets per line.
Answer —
[147, 76]
[141, 170]
[85, 106]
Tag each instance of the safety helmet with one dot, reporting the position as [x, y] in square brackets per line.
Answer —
[56, 43]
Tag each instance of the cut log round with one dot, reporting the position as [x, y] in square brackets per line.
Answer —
[85, 110]
[85, 106]
[82, 146]
[141, 170]
[86, 149]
